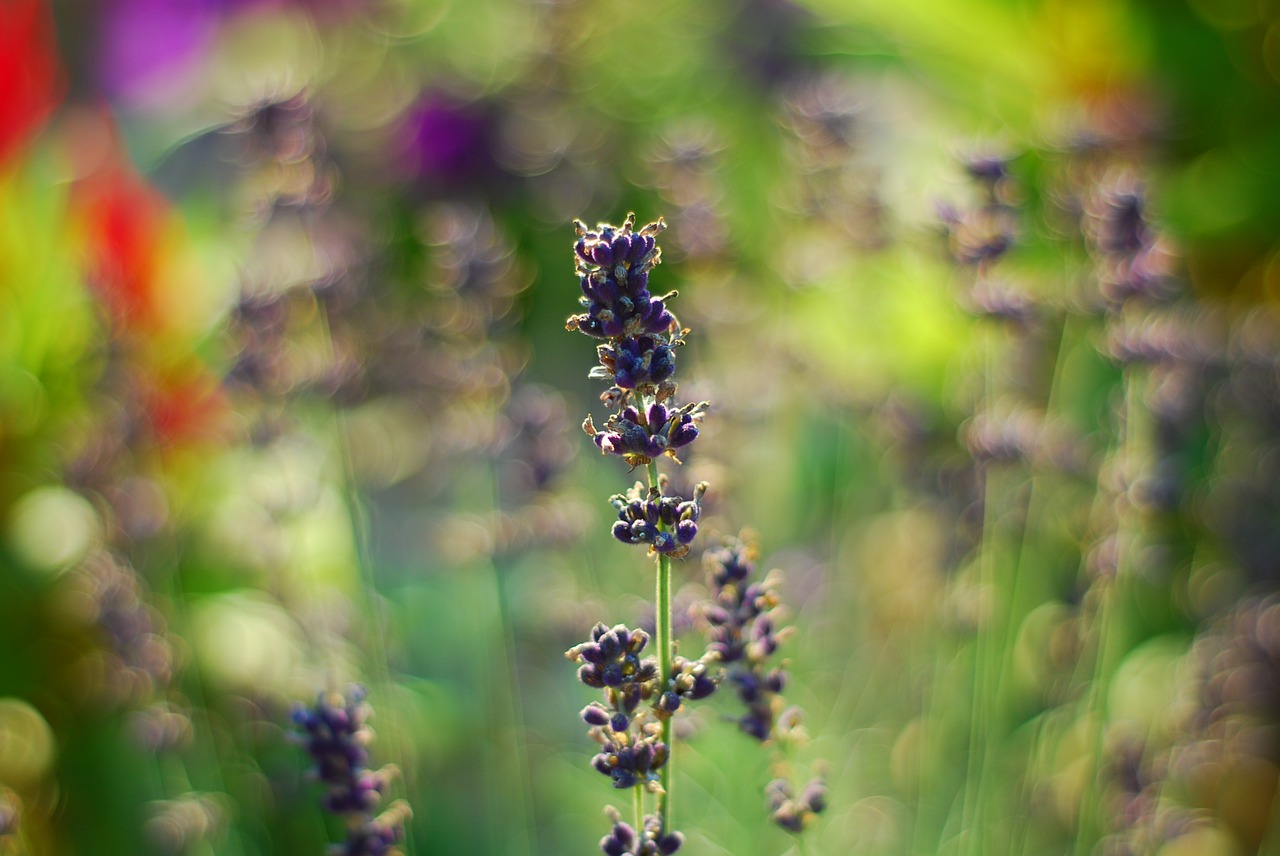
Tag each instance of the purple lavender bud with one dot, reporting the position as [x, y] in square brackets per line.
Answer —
[748, 687]
[815, 796]
[670, 702]
[601, 763]
[776, 681]
[590, 675]
[665, 542]
[755, 726]
[683, 433]
[702, 687]
[621, 248]
[619, 722]
[686, 531]
[602, 254]
[613, 846]
[595, 714]
[670, 843]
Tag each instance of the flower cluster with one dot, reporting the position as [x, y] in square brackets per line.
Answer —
[794, 813]
[639, 436]
[981, 235]
[613, 265]
[623, 840]
[668, 524]
[1132, 259]
[743, 634]
[631, 748]
[336, 737]
[638, 356]
[637, 362]
[633, 726]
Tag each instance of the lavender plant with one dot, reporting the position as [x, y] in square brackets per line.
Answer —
[337, 737]
[633, 723]
[639, 335]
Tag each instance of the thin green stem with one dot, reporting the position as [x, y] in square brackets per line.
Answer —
[662, 629]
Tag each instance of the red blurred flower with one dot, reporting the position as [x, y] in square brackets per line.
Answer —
[30, 77]
[126, 224]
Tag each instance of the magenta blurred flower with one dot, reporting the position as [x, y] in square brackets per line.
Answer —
[442, 139]
[149, 48]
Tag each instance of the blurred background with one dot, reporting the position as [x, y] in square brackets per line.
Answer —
[983, 295]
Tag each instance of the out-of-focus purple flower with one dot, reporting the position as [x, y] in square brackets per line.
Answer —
[149, 48]
[443, 139]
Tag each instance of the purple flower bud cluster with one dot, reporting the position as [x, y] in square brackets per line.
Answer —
[631, 748]
[742, 632]
[983, 234]
[638, 356]
[637, 362]
[639, 436]
[1131, 258]
[794, 813]
[336, 737]
[623, 840]
[689, 680]
[668, 524]
[613, 265]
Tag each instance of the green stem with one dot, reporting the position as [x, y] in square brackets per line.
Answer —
[662, 628]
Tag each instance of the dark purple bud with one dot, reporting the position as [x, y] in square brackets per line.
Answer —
[590, 675]
[624, 833]
[815, 796]
[686, 530]
[594, 714]
[670, 702]
[684, 433]
[621, 248]
[716, 615]
[619, 722]
[670, 843]
[602, 254]
[702, 687]
[787, 817]
[756, 727]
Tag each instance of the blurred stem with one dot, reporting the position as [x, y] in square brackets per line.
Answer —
[371, 601]
[1108, 590]
[513, 702]
[662, 629]
[984, 650]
